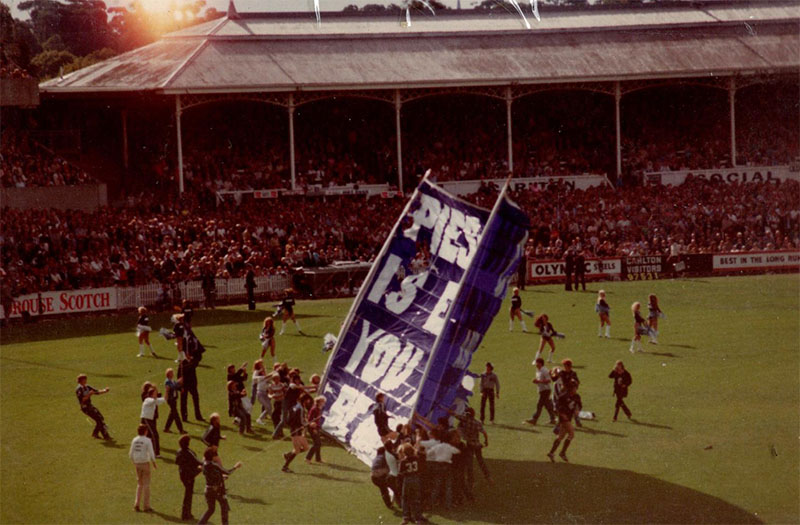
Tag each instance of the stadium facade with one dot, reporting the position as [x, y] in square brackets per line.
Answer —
[290, 60]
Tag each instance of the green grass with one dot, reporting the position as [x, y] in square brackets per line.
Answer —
[712, 402]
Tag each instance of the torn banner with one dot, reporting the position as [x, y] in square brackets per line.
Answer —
[422, 311]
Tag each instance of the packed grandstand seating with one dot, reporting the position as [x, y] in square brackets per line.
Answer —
[24, 163]
[154, 237]
[149, 240]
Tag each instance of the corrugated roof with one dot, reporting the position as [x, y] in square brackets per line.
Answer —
[269, 53]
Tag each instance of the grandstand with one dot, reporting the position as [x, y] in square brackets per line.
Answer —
[256, 139]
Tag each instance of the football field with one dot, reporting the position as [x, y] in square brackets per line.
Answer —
[716, 407]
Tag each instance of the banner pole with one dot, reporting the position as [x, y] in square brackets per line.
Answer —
[438, 342]
[364, 285]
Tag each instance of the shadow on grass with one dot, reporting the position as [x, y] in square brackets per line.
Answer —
[690, 347]
[343, 468]
[635, 421]
[326, 477]
[168, 517]
[111, 443]
[518, 429]
[64, 328]
[595, 432]
[665, 354]
[248, 501]
[588, 495]
[56, 367]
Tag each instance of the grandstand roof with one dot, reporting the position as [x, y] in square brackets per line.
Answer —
[278, 52]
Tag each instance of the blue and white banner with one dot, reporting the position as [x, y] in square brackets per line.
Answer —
[423, 309]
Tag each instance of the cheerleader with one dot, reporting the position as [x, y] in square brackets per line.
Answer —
[516, 312]
[286, 309]
[652, 317]
[143, 332]
[640, 328]
[602, 309]
[547, 332]
[267, 338]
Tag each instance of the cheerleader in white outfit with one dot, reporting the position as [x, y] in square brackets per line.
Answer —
[143, 332]
[603, 310]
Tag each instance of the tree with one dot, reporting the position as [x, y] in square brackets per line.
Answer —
[81, 24]
[18, 43]
[49, 63]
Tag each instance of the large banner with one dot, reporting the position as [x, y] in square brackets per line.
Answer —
[70, 302]
[740, 174]
[424, 307]
[756, 261]
[551, 270]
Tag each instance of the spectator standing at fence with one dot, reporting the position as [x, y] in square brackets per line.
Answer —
[580, 270]
[250, 286]
[622, 381]
[143, 330]
[490, 388]
[569, 267]
[142, 455]
[84, 393]
[209, 286]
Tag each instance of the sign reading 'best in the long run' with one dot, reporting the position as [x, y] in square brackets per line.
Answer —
[421, 313]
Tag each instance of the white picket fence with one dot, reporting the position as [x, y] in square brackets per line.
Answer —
[228, 290]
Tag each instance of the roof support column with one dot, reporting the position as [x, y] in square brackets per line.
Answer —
[509, 101]
[124, 118]
[617, 97]
[398, 105]
[179, 142]
[292, 167]
[732, 102]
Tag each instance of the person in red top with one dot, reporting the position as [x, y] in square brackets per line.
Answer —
[315, 421]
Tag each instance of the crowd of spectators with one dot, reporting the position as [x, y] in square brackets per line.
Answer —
[24, 163]
[150, 240]
[153, 240]
[700, 216]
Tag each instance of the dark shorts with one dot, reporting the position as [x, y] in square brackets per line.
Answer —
[382, 431]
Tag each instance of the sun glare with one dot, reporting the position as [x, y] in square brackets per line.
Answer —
[178, 10]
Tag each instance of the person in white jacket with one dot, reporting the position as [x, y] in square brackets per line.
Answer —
[142, 455]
